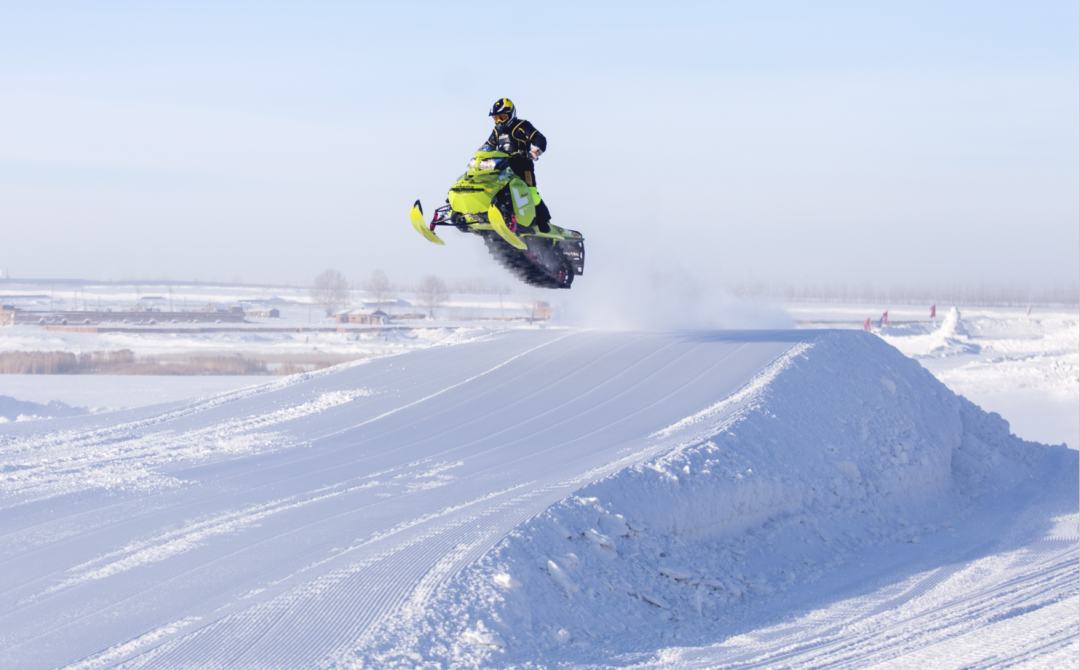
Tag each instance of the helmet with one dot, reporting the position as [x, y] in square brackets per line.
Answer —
[503, 112]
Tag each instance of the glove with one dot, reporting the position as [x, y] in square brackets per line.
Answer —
[534, 152]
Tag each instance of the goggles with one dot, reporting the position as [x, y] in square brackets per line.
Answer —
[501, 118]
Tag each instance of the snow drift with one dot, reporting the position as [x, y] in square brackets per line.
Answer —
[924, 340]
[547, 497]
[21, 410]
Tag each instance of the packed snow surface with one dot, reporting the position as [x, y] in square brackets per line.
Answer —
[547, 498]
[12, 409]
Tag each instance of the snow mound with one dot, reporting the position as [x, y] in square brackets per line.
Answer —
[949, 339]
[841, 446]
[20, 410]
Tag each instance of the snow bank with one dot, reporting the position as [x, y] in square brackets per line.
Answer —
[841, 445]
[20, 410]
[920, 340]
[951, 338]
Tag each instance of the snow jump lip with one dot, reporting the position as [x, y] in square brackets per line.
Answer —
[779, 336]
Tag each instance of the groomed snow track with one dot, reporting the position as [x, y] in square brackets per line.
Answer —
[284, 555]
[281, 526]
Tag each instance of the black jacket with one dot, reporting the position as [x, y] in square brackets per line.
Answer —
[516, 140]
[519, 135]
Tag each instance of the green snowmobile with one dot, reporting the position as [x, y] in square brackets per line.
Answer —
[494, 203]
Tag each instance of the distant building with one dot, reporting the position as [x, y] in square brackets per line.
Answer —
[137, 308]
[7, 315]
[376, 318]
[263, 313]
[543, 310]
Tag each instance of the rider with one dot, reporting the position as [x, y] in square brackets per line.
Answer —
[524, 143]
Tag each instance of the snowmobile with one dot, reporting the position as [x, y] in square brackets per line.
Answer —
[491, 201]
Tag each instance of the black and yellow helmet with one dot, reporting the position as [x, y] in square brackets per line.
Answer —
[503, 112]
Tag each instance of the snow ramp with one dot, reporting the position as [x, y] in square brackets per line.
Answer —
[551, 497]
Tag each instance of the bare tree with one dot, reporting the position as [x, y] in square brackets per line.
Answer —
[380, 288]
[432, 293]
[330, 290]
[502, 288]
[528, 309]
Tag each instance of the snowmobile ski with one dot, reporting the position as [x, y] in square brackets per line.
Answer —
[498, 224]
[416, 215]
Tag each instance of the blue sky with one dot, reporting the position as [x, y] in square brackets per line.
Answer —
[920, 142]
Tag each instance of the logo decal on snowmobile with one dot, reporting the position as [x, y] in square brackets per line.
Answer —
[520, 199]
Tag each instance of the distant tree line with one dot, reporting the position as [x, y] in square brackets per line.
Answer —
[981, 295]
[123, 362]
[332, 292]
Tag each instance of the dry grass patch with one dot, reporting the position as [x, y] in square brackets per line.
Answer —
[123, 362]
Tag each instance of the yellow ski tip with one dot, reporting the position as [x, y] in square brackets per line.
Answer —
[416, 216]
[498, 224]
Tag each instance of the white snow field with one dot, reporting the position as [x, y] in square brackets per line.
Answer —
[103, 392]
[548, 498]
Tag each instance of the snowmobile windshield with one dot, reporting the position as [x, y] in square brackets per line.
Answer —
[489, 160]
